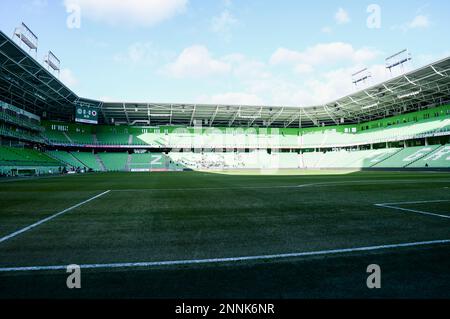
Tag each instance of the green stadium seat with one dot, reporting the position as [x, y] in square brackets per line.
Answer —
[407, 156]
[440, 158]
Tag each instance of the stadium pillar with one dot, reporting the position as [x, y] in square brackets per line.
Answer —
[426, 141]
[371, 146]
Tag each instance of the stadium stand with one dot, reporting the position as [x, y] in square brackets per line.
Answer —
[88, 160]
[406, 157]
[329, 138]
[81, 138]
[55, 137]
[107, 135]
[148, 161]
[114, 161]
[14, 160]
[440, 158]
[66, 158]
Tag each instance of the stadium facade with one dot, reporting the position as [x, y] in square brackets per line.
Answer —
[403, 123]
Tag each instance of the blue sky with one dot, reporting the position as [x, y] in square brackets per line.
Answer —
[287, 52]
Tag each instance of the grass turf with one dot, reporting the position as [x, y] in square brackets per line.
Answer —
[194, 215]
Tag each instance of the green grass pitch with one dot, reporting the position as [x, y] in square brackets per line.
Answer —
[159, 217]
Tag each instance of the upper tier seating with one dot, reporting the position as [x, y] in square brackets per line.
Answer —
[105, 138]
[81, 138]
[56, 137]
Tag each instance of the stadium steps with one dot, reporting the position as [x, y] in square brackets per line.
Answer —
[79, 160]
[50, 154]
[422, 157]
[95, 139]
[128, 164]
[68, 137]
[100, 162]
[388, 158]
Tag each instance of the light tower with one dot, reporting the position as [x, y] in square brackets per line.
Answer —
[27, 38]
[52, 62]
[399, 60]
[362, 77]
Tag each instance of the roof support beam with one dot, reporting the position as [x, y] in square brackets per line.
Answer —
[292, 119]
[275, 117]
[126, 113]
[214, 116]
[193, 115]
[256, 117]
[315, 121]
[331, 116]
[234, 117]
[437, 72]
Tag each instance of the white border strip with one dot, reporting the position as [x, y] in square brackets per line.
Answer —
[227, 260]
[392, 206]
[3, 239]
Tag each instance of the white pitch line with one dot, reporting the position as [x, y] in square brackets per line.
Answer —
[3, 239]
[418, 202]
[412, 210]
[320, 184]
[227, 260]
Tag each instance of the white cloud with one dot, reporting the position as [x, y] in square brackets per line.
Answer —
[196, 62]
[131, 12]
[313, 90]
[227, 3]
[233, 98]
[322, 54]
[68, 78]
[39, 3]
[342, 16]
[303, 68]
[223, 24]
[326, 30]
[35, 6]
[244, 68]
[419, 22]
[141, 53]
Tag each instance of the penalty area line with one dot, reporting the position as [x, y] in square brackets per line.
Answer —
[23, 230]
[395, 206]
[228, 260]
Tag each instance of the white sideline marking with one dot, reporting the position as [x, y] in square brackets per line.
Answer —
[50, 218]
[321, 184]
[227, 260]
[418, 202]
[391, 205]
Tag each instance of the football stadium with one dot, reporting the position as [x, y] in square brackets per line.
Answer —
[174, 200]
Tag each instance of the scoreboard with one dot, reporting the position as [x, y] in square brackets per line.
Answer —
[86, 114]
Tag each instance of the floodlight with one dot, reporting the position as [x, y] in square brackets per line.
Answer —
[27, 37]
[52, 61]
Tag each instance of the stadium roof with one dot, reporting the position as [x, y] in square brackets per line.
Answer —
[26, 83]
